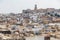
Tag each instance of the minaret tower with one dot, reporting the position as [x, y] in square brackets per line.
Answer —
[35, 8]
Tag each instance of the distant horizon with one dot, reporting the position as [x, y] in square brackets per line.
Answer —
[24, 9]
[16, 6]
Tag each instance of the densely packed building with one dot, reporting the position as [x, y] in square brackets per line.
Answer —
[30, 23]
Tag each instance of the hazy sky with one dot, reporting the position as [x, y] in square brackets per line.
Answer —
[16, 6]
